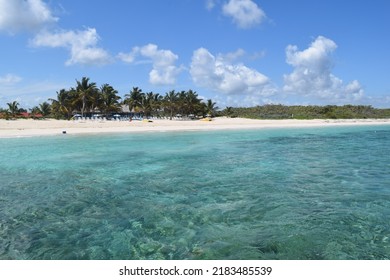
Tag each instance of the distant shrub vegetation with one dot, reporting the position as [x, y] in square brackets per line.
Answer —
[307, 112]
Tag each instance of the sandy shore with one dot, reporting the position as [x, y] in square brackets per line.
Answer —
[25, 128]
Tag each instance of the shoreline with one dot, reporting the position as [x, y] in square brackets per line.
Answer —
[30, 128]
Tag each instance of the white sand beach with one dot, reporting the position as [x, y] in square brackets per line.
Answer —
[29, 127]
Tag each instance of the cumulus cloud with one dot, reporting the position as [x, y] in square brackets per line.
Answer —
[9, 79]
[312, 75]
[20, 15]
[81, 44]
[35, 15]
[245, 13]
[220, 75]
[164, 70]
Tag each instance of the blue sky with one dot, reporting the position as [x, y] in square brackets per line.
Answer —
[236, 52]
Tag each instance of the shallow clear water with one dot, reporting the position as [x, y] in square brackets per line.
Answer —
[318, 193]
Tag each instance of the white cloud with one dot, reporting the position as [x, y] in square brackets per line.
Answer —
[20, 15]
[128, 57]
[245, 13]
[9, 80]
[34, 15]
[233, 56]
[220, 75]
[210, 4]
[82, 45]
[312, 76]
[164, 71]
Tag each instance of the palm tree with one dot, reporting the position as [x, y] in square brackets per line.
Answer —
[157, 102]
[13, 108]
[170, 102]
[147, 103]
[192, 102]
[134, 99]
[210, 108]
[109, 99]
[35, 110]
[95, 100]
[85, 91]
[44, 109]
[229, 111]
[64, 104]
[181, 102]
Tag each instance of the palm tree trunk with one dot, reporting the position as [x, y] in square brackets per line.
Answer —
[83, 108]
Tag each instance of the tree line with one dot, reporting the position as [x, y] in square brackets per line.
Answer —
[87, 98]
[278, 111]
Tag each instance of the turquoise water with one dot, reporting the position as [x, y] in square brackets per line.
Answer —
[318, 193]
